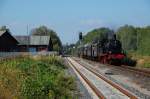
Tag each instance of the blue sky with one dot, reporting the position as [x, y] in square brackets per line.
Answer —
[68, 17]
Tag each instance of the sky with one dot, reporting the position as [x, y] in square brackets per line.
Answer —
[69, 17]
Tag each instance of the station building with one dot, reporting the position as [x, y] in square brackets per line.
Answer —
[9, 43]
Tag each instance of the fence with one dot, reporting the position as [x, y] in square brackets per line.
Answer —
[14, 54]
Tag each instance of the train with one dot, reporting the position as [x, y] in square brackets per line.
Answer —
[106, 51]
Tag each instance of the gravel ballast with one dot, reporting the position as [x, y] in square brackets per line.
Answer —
[137, 84]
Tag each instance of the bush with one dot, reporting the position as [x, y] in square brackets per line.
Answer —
[128, 61]
[43, 78]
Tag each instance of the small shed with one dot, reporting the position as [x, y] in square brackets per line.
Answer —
[34, 43]
[39, 43]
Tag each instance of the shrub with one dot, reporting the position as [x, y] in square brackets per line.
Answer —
[43, 78]
[128, 61]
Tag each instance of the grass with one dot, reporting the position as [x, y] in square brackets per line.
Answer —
[35, 78]
[142, 61]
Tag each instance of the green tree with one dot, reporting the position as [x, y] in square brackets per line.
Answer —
[4, 28]
[97, 34]
[143, 40]
[128, 36]
[44, 31]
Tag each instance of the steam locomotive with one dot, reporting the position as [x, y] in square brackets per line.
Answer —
[106, 51]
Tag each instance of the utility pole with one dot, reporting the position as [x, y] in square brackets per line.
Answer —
[137, 40]
[27, 39]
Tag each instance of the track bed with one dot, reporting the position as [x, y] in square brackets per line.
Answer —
[136, 83]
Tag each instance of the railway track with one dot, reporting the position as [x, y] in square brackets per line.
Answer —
[102, 87]
[136, 70]
[132, 69]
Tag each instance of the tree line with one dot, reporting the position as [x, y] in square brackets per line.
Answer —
[133, 39]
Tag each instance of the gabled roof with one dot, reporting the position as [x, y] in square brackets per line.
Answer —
[23, 40]
[2, 32]
[39, 40]
[8, 35]
[33, 40]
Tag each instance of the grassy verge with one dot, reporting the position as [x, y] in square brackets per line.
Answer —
[35, 78]
[142, 61]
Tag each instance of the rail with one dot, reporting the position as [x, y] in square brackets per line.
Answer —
[121, 89]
